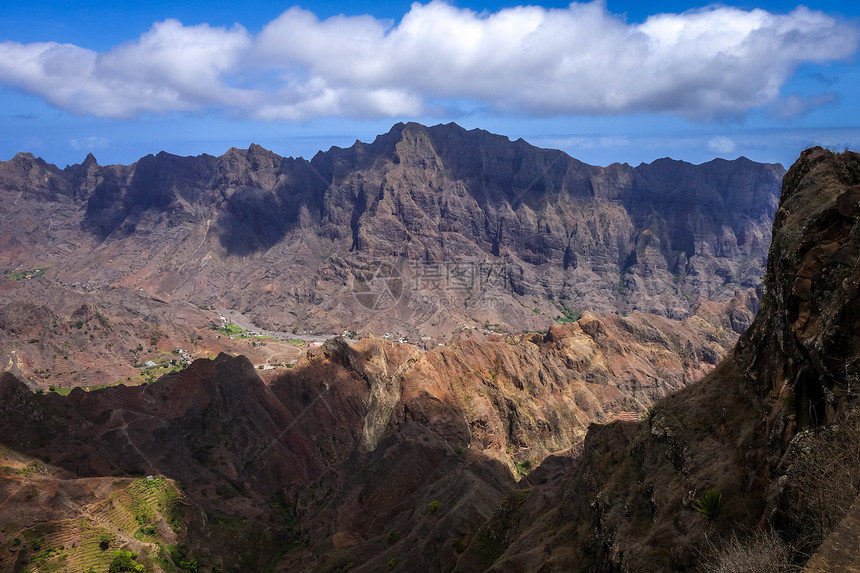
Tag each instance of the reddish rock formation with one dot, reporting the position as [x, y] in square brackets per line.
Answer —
[358, 440]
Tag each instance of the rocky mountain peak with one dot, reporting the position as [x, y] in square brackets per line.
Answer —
[812, 289]
[89, 161]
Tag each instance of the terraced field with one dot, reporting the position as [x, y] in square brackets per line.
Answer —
[51, 521]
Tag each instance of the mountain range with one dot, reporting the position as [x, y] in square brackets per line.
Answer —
[476, 228]
[632, 437]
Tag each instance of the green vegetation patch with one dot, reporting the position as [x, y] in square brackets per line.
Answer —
[567, 315]
[233, 329]
[36, 273]
[124, 561]
[179, 554]
[709, 504]
[236, 331]
[524, 468]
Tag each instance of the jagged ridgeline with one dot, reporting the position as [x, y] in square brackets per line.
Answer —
[283, 238]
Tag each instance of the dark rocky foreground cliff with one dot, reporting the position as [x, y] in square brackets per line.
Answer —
[471, 457]
[480, 228]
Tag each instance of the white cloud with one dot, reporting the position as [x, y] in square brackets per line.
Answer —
[531, 60]
[721, 145]
[582, 141]
[89, 143]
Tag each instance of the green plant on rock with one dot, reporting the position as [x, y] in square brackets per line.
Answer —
[709, 503]
[567, 314]
[124, 561]
[393, 536]
[434, 507]
[178, 554]
[524, 467]
[144, 531]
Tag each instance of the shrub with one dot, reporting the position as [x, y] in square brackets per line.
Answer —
[146, 530]
[393, 536]
[765, 553]
[524, 468]
[178, 555]
[434, 507]
[104, 540]
[392, 563]
[822, 480]
[709, 503]
[123, 561]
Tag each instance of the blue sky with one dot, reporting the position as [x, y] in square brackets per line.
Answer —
[606, 82]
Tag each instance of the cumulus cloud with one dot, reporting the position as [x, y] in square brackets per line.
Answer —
[524, 60]
[171, 67]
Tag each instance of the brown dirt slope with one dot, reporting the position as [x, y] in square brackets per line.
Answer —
[358, 441]
[64, 337]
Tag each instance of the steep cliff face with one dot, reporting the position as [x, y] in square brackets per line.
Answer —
[284, 238]
[803, 345]
[443, 193]
[773, 430]
[647, 238]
